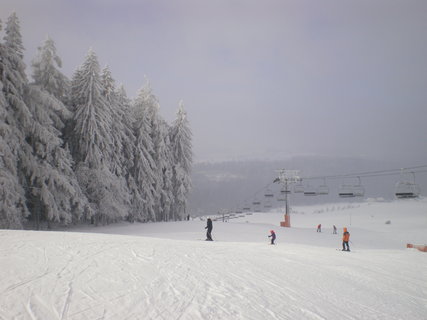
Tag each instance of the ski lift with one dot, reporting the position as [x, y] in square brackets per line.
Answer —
[323, 189]
[267, 203]
[285, 191]
[407, 189]
[268, 193]
[299, 187]
[351, 190]
[310, 191]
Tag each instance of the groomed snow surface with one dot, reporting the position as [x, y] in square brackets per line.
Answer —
[166, 270]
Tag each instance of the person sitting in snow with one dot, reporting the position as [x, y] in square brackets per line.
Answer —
[272, 236]
[209, 227]
[345, 240]
[319, 228]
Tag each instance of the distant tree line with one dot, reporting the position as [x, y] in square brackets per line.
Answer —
[79, 150]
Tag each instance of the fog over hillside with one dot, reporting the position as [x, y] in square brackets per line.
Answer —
[232, 184]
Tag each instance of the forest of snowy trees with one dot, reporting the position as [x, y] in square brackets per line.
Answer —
[80, 151]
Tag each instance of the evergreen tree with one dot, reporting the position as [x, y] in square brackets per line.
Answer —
[92, 144]
[15, 120]
[144, 171]
[13, 38]
[58, 193]
[46, 74]
[118, 134]
[126, 113]
[13, 209]
[182, 155]
[165, 165]
[150, 109]
[127, 119]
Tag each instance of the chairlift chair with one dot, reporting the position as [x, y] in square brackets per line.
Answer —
[351, 191]
[310, 191]
[269, 193]
[323, 189]
[407, 189]
[285, 191]
[267, 203]
[346, 191]
[299, 187]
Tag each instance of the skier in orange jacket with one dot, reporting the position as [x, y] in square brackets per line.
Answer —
[345, 240]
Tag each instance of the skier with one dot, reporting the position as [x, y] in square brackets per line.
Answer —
[272, 236]
[319, 228]
[209, 227]
[345, 240]
[335, 230]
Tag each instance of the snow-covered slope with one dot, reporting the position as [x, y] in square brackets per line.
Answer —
[164, 271]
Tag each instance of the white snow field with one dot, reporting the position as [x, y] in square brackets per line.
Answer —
[165, 271]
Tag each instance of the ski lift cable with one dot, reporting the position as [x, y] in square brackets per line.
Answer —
[369, 173]
[366, 174]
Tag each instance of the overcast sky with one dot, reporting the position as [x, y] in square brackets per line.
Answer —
[259, 79]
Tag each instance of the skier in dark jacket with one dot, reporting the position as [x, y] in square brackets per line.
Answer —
[272, 236]
[209, 227]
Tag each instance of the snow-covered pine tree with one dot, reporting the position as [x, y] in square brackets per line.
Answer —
[92, 144]
[165, 164]
[181, 150]
[150, 110]
[128, 144]
[126, 113]
[13, 38]
[119, 134]
[75, 96]
[13, 74]
[60, 197]
[117, 127]
[145, 170]
[46, 73]
[58, 193]
[15, 119]
[13, 209]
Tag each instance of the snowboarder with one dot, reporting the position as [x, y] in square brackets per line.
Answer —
[345, 240]
[335, 230]
[209, 227]
[272, 236]
[319, 228]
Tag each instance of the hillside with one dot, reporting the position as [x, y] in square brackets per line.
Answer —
[164, 271]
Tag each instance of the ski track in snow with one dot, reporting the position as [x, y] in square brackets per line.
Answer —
[64, 275]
